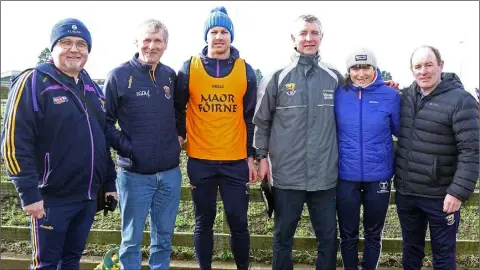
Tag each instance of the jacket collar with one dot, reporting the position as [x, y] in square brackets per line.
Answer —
[139, 65]
[62, 78]
[234, 54]
[304, 59]
[449, 82]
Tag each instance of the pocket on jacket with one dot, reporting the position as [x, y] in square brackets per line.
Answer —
[433, 173]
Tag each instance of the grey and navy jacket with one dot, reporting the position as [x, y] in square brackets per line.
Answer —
[141, 98]
[295, 124]
[438, 148]
[53, 138]
[220, 68]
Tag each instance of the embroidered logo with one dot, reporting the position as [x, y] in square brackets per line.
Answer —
[361, 57]
[74, 27]
[383, 187]
[46, 227]
[130, 82]
[327, 94]
[168, 95]
[60, 100]
[450, 219]
[143, 93]
[373, 102]
[290, 89]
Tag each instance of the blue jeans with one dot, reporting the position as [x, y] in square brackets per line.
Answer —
[138, 195]
[288, 210]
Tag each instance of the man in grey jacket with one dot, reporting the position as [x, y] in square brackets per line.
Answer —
[296, 141]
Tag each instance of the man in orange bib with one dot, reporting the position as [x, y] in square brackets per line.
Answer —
[219, 91]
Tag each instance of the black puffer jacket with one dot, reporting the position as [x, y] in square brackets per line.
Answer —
[438, 142]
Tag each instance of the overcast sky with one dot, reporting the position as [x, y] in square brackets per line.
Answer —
[262, 32]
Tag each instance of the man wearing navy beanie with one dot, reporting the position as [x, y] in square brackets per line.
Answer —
[220, 89]
[70, 27]
[55, 149]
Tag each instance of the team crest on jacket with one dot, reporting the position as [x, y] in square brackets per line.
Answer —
[60, 99]
[168, 95]
[290, 89]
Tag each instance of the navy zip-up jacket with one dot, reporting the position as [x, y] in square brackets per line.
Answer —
[141, 98]
[367, 117]
[220, 68]
[53, 143]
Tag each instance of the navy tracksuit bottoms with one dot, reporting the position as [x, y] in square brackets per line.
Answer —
[289, 205]
[59, 238]
[375, 198]
[414, 214]
[206, 177]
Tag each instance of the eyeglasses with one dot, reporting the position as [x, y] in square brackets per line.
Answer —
[67, 44]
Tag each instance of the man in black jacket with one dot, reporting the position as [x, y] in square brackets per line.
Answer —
[436, 160]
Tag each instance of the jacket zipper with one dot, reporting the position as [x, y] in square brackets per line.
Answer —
[152, 77]
[46, 168]
[91, 136]
[361, 133]
[91, 142]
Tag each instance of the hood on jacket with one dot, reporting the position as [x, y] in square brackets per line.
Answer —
[449, 82]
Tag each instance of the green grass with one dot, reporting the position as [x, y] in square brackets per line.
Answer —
[12, 215]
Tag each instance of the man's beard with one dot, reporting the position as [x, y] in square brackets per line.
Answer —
[73, 66]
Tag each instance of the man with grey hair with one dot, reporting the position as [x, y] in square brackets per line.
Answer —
[140, 96]
[296, 142]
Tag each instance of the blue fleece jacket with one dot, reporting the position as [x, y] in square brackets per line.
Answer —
[141, 98]
[53, 140]
[366, 119]
[220, 68]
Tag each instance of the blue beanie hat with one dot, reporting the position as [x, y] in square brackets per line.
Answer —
[70, 27]
[219, 17]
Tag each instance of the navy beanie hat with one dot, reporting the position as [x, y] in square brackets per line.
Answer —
[218, 17]
[70, 27]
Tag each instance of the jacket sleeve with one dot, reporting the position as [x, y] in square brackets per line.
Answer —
[115, 137]
[181, 98]
[249, 102]
[395, 116]
[19, 139]
[465, 122]
[264, 111]
[109, 184]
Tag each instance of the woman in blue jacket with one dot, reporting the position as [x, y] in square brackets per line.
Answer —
[367, 114]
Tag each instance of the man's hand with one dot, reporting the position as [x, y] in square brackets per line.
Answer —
[263, 169]
[451, 204]
[252, 171]
[180, 141]
[35, 209]
[114, 194]
[392, 84]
